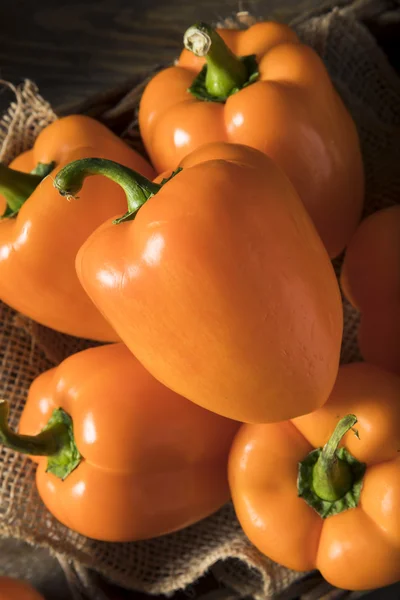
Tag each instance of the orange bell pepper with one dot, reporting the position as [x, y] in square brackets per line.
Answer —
[277, 98]
[16, 589]
[40, 236]
[220, 285]
[338, 509]
[120, 456]
[370, 280]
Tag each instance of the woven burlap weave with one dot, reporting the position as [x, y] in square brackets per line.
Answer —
[371, 90]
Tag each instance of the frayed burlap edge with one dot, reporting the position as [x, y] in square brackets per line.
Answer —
[236, 563]
[27, 114]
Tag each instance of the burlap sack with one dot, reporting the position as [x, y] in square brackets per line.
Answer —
[371, 90]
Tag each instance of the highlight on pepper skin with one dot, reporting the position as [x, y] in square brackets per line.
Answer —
[41, 235]
[196, 281]
[111, 441]
[263, 88]
[322, 491]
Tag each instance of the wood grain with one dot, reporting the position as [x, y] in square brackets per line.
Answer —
[74, 48]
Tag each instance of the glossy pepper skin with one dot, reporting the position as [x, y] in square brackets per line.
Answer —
[370, 280]
[146, 461]
[15, 589]
[220, 285]
[356, 549]
[38, 246]
[291, 112]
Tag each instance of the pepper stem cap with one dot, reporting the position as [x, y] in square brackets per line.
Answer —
[330, 478]
[225, 73]
[56, 441]
[17, 186]
[138, 189]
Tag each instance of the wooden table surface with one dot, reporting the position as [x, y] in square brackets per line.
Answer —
[75, 48]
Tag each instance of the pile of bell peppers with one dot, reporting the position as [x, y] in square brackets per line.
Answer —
[210, 274]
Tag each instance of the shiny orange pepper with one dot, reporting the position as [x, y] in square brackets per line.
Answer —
[120, 456]
[40, 236]
[354, 538]
[16, 589]
[370, 280]
[278, 98]
[220, 285]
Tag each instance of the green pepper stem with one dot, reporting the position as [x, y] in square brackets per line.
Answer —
[225, 71]
[16, 187]
[56, 441]
[332, 477]
[48, 442]
[138, 189]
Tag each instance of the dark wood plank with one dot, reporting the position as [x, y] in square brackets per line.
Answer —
[75, 48]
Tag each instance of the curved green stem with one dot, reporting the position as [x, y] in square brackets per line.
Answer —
[138, 189]
[17, 187]
[225, 71]
[332, 477]
[55, 441]
[46, 443]
[43, 169]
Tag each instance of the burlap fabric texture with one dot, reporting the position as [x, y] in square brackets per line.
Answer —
[371, 90]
